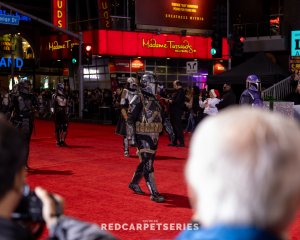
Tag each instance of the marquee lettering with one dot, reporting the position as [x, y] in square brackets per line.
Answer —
[59, 13]
[184, 47]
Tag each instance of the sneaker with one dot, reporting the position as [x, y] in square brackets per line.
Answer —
[136, 188]
[156, 197]
[126, 154]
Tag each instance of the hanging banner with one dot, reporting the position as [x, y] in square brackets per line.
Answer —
[59, 13]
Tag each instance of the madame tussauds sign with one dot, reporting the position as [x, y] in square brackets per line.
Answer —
[184, 46]
[7, 62]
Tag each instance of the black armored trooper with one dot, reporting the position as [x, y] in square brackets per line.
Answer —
[22, 108]
[144, 124]
[59, 108]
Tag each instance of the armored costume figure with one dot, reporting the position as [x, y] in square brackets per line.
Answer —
[252, 94]
[22, 108]
[59, 108]
[144, 124]
[126, 96]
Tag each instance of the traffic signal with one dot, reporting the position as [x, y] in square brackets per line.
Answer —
[237, 46]
[220, 19]
[87, 54]
[75, 54]
[216, 45]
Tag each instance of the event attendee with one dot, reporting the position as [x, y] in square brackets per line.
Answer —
[252, 94]
[194, 109]
[59, 108]
[23, 106]
[177, 103]
[295, 95]
[243, 176]
[144, 125]
[12, 180]
[228, 97]
[126, 96]
[209, 104]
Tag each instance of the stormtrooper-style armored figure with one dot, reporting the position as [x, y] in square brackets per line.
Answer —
[126, 96]
[59, 108]
[22, 108]
[144, 124]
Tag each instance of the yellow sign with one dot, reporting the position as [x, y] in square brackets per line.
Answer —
[184, 47]
[55, 45]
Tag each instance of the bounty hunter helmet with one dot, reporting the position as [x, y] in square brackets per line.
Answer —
[149, 83]
[60, 88]
[253, 83]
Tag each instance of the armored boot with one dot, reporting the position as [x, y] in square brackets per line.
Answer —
[155, 195]
[134, 184]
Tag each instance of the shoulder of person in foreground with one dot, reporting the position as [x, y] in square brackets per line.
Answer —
[68, 228]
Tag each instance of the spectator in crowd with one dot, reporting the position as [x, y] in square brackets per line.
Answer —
[244, 186]
[228, 97]
[295, 78]
[209, 104]
[177, 104]
[12, 180]
[194, 108]
[295, 95]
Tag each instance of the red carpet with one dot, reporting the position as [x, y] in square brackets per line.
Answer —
[92, 175]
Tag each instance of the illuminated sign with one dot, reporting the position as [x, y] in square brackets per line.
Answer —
[124, 43]
[295, 44]
[18, 15]
[55, 45]
[185, 46]
[7, 62]
[193, 14]
[104, 14]
[59, 13]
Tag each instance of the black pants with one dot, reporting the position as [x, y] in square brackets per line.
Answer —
[178, 128]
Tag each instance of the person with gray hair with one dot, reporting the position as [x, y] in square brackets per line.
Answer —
[243, 175]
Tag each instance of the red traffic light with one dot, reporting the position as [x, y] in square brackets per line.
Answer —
[88, 48]
[242, 39]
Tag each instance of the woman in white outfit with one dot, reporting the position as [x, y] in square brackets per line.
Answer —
[209, 104]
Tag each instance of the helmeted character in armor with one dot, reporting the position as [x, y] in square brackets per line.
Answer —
[144, 124]
[22, 108]
[252, 94]
[59, 108]
[126, 96]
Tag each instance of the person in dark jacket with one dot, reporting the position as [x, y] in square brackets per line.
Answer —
[177, 104]
[228, 97]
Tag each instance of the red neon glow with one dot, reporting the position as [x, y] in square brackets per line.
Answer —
[123, 43]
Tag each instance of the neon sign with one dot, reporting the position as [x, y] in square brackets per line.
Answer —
[184, 47]
[7, 62]
[59, 13]
[55, 45]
